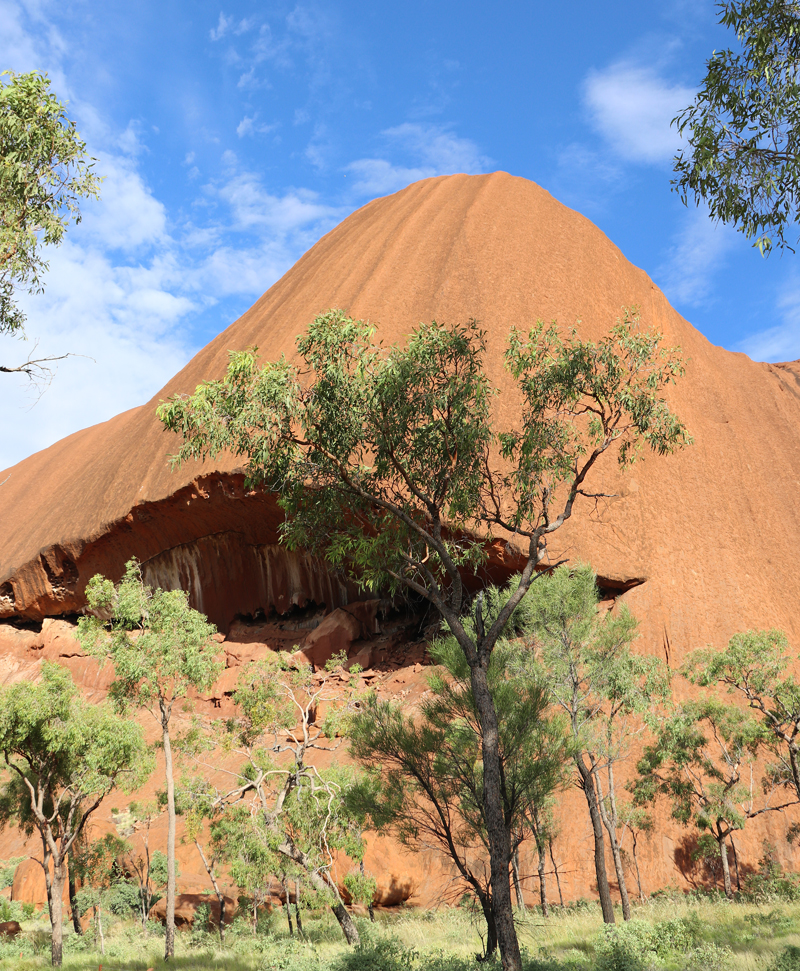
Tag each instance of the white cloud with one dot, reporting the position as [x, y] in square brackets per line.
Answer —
[254, 207]
[632, 107]
[249, 125]
[128, 216]
[698, 251]
[782, 342]
[121, 319]
[434, 149]
[223, 26]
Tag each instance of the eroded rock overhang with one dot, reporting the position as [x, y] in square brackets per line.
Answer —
[218, 541]
[213, 538]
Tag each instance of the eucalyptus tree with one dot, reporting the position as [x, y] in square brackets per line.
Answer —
[755, 666]
[605, 690]
[160, 648]
[743, 129]
[705, 760]
[289, 719]
[44, 173]
[388, 463]
[63, 756]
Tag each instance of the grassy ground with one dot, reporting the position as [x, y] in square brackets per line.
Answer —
[678, 934]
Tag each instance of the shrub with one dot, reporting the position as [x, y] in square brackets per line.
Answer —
[624, 947]
[787, 960]
[7, 870]
[378, 954]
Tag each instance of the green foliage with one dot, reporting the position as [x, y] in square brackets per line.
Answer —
[44, 172]
[637, 945]
[424, 779]
[787, 960]
[360, 887]
[7, 870]
[743, 128]
[71, 752]
[754, 665]
[584, 650]
[378, 954]
[100, 871]
[159, 645]
[373, 449]
[696, 761]
[769, 882]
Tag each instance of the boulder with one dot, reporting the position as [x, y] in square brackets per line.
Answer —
[186, 905]
[28, 886]
[335, 634]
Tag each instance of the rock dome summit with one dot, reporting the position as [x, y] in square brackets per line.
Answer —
[703, 543]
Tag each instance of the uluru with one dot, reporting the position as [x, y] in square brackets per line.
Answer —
[699, 545]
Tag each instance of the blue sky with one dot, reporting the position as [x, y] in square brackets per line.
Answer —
[234, 134]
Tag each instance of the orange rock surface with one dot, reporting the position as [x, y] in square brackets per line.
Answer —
[700, 545]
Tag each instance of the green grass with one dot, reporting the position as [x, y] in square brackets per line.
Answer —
[675, 934]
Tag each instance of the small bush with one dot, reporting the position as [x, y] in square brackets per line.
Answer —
[769, 882]
[378, 954]
[709, 957]
[787, 960]
[291, 955]
[624, 947]
[7, 870]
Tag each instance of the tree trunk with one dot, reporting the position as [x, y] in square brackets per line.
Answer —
[542, 883]
[491, 929]
[726, 870]
[55, 895]
[623, 888]
[220, 896]
[370, 908]
[346, 923]
[76, 920]
[603, 889]
[736, 864]
[636, 865]
[297, 907]
[340, 911]
[555, 870]
[100, 930]
[608, 813]
[169, 942]
[288, 907]
[497, 832]
[517, 884]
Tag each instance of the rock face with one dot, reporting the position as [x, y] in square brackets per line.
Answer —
[700, 545]
[714, 531]
[186, 906]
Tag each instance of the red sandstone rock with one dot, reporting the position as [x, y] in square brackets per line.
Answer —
[186, 905]
[335, 634]
[28, 886]
[366, 613]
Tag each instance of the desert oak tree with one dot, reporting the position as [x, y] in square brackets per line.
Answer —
[387, 463]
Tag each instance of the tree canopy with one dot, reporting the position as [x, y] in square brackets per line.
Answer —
[44, 173]
[63, 757]
[160, 648]
[743, 128]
